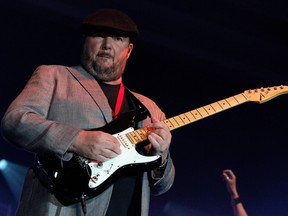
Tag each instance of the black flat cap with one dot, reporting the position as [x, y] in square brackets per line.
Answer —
[112, 21]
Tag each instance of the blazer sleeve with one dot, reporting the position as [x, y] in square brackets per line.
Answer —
[160, 185]
[29, 121]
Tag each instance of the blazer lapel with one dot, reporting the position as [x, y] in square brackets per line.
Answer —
[93, 89]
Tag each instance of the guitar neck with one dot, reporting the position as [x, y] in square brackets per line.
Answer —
[205, 111]
[183, 119]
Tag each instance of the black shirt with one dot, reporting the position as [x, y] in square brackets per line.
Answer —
[126, 195]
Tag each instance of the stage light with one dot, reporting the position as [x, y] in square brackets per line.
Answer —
[14, 175]
[3, 164]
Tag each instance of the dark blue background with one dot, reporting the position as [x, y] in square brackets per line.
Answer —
[189, 54]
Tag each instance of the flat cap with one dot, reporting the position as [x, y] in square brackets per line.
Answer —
[109, 20]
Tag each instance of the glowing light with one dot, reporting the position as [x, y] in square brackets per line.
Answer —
[14, 176]
[3, 164]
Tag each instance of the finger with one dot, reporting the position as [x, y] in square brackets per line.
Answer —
[225, 177]
[108, 154]
[153, 138]
[154, 120]
[157, 124]
[157, 139]
[112, 144]
[160, 125]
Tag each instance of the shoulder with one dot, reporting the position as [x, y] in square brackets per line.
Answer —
[49, 71]
[53, 71]
[151, 105]
[144, 99]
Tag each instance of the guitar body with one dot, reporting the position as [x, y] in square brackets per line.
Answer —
[80, 177]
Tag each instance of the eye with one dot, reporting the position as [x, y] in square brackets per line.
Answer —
[119, 38]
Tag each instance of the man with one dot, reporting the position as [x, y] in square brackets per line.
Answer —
[61, 116]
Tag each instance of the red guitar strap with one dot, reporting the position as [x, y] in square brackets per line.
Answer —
[119, 101]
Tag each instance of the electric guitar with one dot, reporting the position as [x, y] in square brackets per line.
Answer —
[82, 178]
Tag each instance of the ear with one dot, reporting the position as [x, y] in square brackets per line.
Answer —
[130, 48]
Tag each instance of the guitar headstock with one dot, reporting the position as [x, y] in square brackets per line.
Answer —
[262, 95]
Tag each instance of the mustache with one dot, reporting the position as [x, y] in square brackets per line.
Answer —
[104, 54]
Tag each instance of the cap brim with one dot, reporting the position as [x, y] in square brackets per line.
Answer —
[90, 30]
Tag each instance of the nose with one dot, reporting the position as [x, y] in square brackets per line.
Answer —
[106, 43]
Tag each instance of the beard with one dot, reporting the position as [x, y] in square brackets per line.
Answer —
[102, 73]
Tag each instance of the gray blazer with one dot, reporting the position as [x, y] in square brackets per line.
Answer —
[56, 103]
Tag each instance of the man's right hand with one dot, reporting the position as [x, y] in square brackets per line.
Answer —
[96, 145]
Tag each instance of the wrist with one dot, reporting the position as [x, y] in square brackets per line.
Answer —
[163, 164]
[235, 201]
[77, 141]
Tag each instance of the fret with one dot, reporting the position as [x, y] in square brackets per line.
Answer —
[139, 134]
[169, 123]
[240, 98]
[131, 137]
[216, 107]
[184, 118]
[224, 105]
[196, 114]
[143, 133]
[190, 116]
[202, 112]
[209, 109]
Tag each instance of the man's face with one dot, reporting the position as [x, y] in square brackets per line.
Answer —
[105, 56]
